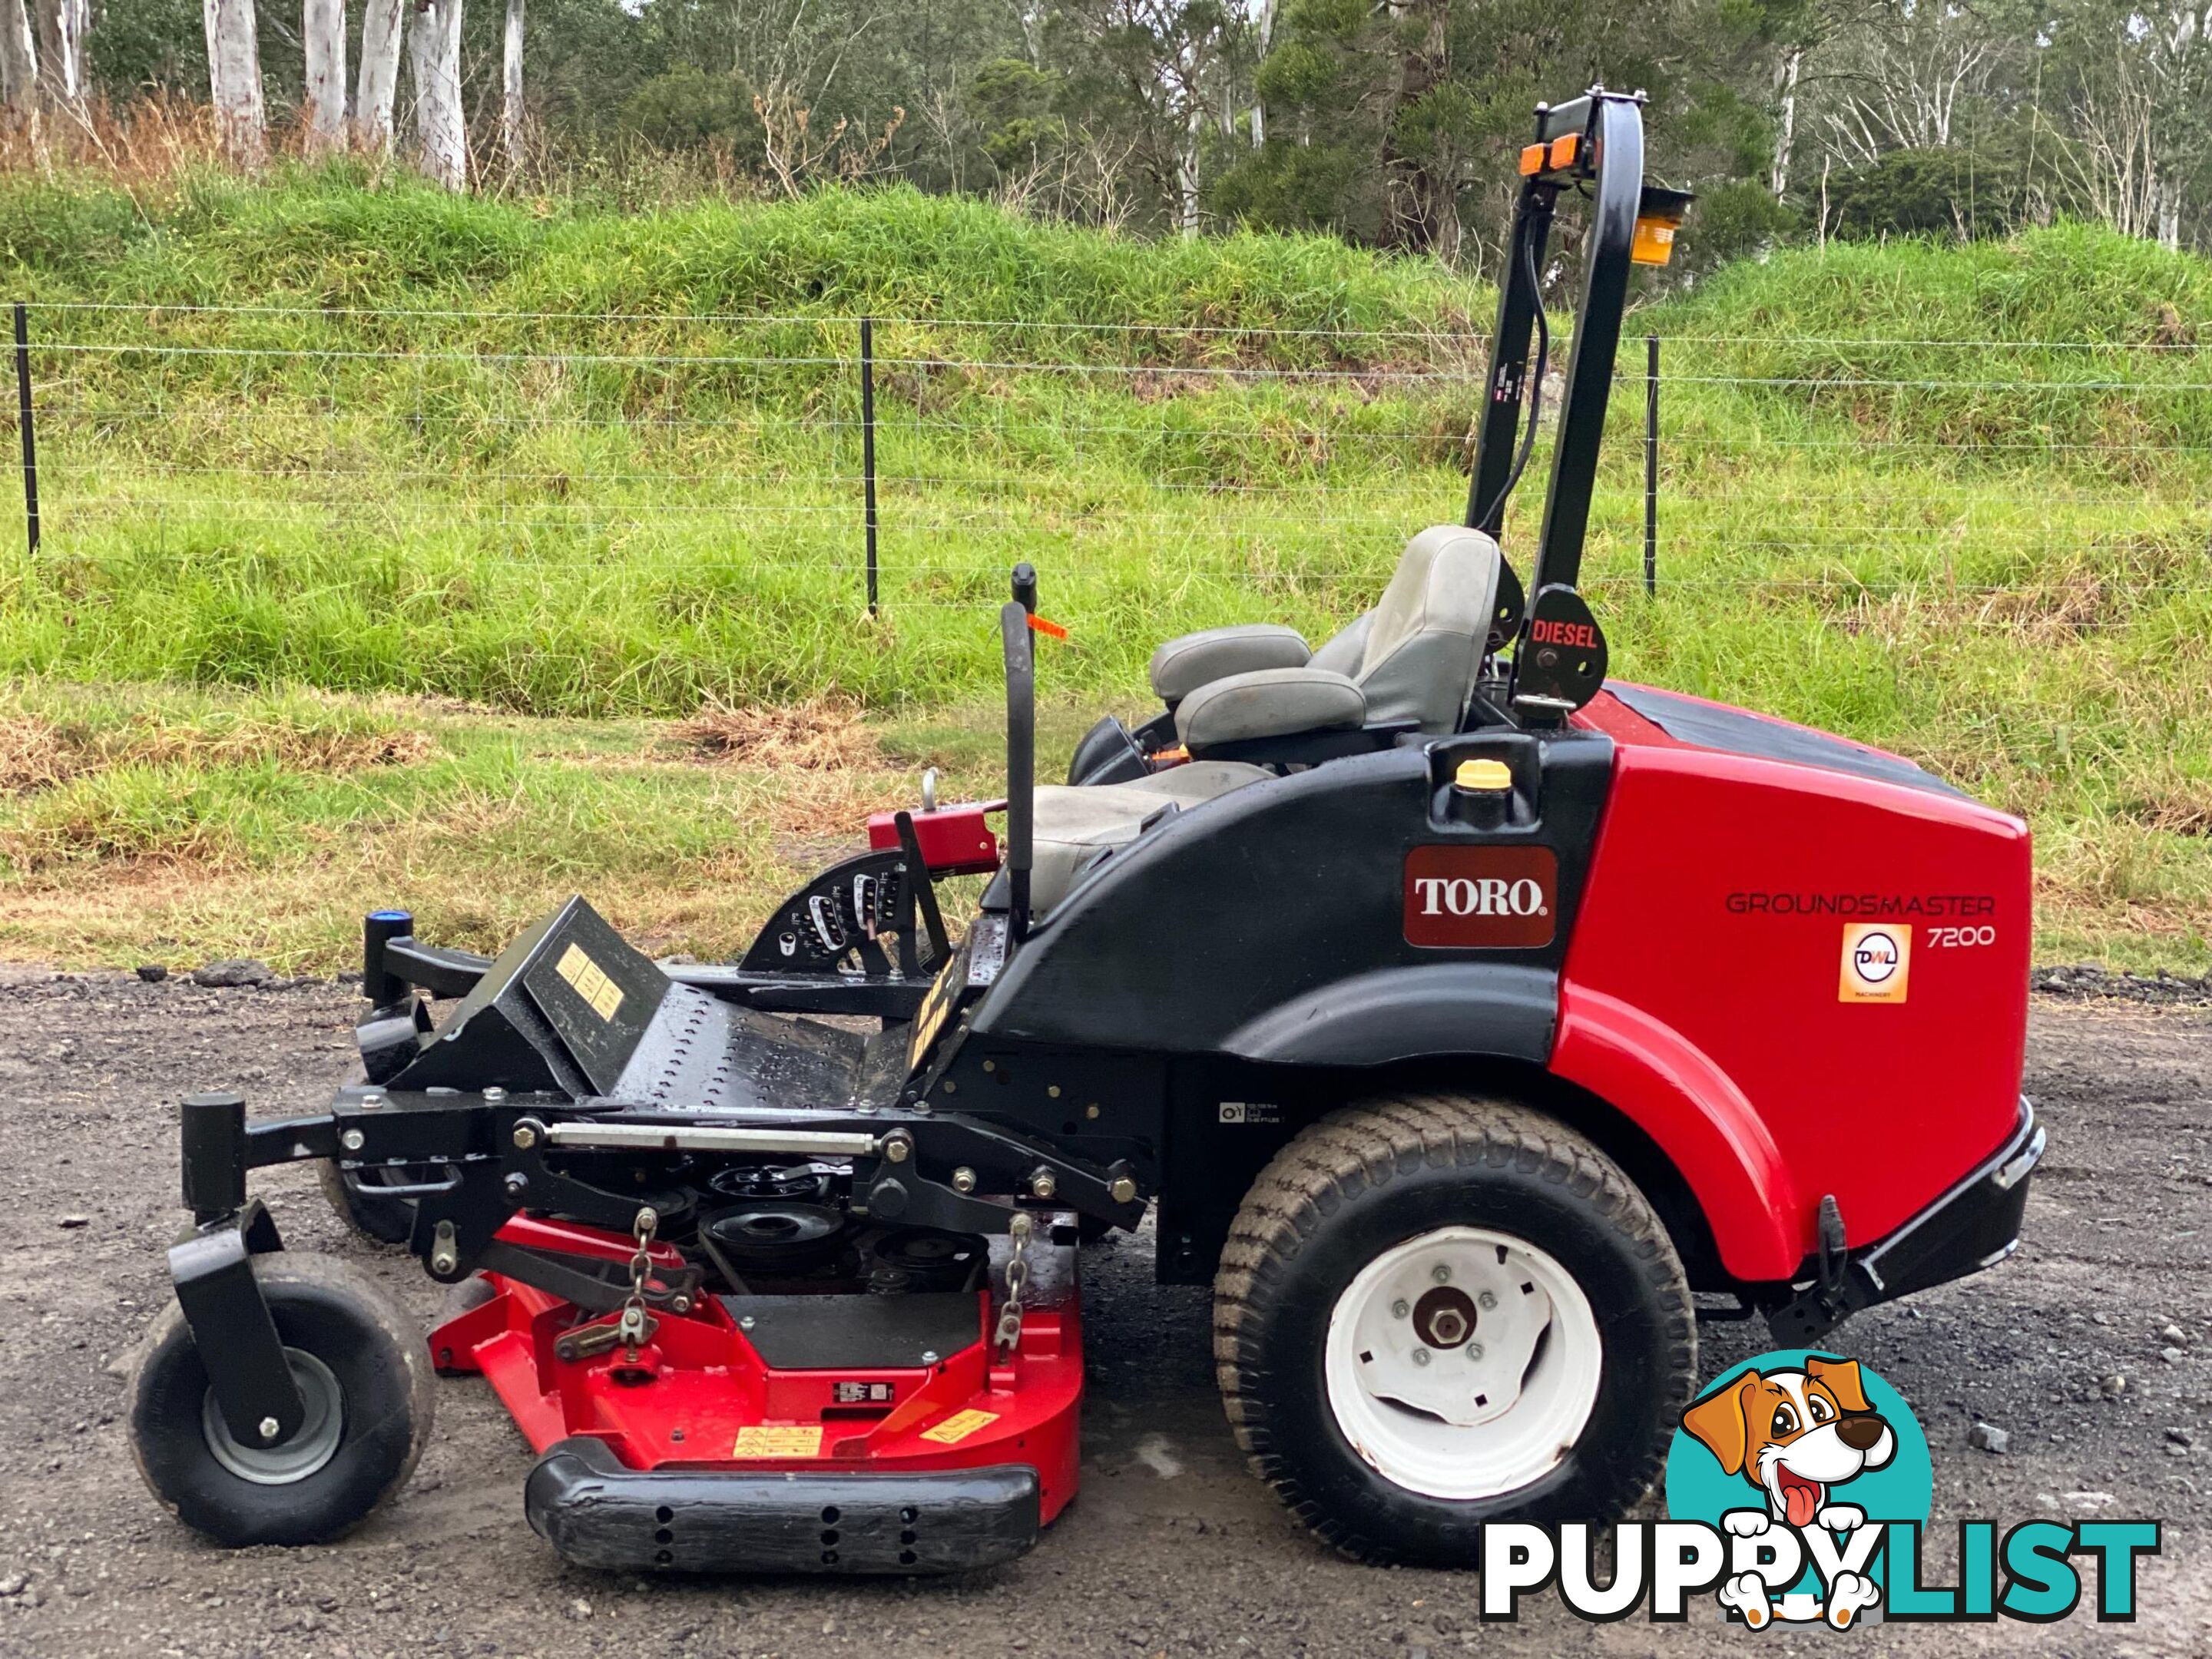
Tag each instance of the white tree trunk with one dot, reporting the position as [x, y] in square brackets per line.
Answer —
[1187, 168]
[382, 22]
[434, 53]
[233, 50]
[62, 28]
[510, 105]
[322, 34]
[1264, 25]
[19, 62]
[1785, 133]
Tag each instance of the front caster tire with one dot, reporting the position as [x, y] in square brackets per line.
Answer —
[365, 1374]
[1435, 1312]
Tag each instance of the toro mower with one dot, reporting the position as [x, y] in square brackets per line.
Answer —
[1459, 1019]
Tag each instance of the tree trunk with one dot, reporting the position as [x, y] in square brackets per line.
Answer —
[1264, 26]
[322, 35]
[1785, 126]
[19, 65]
[510, 108]
[382, 24]
[1429, 220]
[233, 50]
[61, 26]
[1187, 169]
[434, 53]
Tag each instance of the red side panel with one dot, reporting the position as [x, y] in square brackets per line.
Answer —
[1800, 982]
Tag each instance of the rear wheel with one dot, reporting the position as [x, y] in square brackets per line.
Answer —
[1435, 1312]
[364, 1375]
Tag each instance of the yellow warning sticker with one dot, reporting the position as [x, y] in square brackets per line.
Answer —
[774, 1440]
[958, 1426]
[590, 981]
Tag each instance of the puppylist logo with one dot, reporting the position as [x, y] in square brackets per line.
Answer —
[1798, 1490]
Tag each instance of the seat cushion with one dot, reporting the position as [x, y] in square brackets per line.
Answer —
[1073, 824]
[1182, 665]
[1272, 703]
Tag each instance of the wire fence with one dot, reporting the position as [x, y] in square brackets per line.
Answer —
[273, 456]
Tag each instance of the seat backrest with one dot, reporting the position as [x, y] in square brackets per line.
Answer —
[1424, 638]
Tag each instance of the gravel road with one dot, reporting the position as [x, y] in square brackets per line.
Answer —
[1171, 1548]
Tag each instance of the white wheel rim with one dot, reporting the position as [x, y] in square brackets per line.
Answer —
[1455, 1407]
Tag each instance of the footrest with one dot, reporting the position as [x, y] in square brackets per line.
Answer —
[597, 1513]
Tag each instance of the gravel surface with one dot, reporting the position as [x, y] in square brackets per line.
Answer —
[1171, 1548]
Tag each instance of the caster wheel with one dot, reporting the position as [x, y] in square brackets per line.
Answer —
[1436, 1312]
[361, 1203]
[365, 1376]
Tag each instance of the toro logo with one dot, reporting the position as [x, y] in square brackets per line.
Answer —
[1483, 897]
[1579, 636]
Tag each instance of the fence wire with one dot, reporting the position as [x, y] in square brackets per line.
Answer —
[279, 451]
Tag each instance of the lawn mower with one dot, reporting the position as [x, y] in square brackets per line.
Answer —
[1461, 1020]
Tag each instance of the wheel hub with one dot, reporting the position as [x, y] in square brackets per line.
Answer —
[1463, 1363]
[290, 1461]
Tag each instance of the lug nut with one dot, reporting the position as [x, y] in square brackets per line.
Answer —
[1441, 1273]
[1420, 1356]
[964, 1180]
[1042, 1183]
[269, 1427]
[1400, 1308]
[526, 1136]
[898, 1146]
[352, 1140]
[1486, 1301]
[1123, 1191]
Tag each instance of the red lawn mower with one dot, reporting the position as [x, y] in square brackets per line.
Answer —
[1455, 1016]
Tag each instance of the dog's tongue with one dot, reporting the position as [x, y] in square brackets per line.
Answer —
[1802, 1501]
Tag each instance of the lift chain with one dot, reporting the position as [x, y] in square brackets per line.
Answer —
[1018, 1278]
[636, 1326]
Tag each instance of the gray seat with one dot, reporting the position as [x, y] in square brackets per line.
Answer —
[1412, 660]
[1415, 657]
[1074, 824]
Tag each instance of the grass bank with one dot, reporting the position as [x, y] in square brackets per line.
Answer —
[585, 474]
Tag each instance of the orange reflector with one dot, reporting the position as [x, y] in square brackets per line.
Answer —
[1655, 241]
[1564, 148]
[1051, 630]
[1532, 160]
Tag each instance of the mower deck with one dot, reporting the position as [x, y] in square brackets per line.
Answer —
[809, 1431]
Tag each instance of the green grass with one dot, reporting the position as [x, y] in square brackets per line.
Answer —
[1892, 507]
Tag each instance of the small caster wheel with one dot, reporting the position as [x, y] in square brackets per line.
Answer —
[365, 1376]
[358, 1197]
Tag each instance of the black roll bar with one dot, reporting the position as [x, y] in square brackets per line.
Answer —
[1021, 746]
[1592, 146]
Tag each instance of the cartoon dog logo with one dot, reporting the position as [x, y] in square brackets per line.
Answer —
[1796, 1436]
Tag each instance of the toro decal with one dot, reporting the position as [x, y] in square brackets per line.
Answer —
[1481, 897]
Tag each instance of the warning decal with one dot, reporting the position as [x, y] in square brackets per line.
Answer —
[772, 1440]
[958, 1426]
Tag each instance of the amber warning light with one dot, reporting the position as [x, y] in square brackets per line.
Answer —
[1658, 216]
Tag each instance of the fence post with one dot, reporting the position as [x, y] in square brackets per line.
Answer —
[868, 444]
[23, 415]
[1650, 464]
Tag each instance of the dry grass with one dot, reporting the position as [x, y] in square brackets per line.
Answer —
[824, 735]
[37, 752]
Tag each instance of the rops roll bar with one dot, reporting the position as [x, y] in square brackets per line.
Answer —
[1592, 147]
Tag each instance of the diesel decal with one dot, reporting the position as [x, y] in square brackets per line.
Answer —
[1579, 636]
[1481, 897]
[1873, 907]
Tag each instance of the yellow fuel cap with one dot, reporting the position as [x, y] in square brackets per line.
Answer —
[1484, 775]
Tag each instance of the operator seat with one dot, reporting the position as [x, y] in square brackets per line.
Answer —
[1412, 661]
